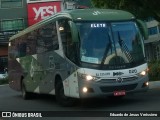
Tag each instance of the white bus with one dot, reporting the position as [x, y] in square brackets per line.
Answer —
[80, 53]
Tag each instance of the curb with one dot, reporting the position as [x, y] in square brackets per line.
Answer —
[154, 84]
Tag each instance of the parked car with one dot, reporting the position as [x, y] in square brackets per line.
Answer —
[3, 75]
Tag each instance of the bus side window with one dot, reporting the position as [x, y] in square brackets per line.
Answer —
[40, 43]
[47, 38]
[31, 43]
[21, 47]
[13, 51]
[55, 37]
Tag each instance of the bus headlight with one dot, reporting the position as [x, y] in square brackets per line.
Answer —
[87, 77]
[85, 89]
[143, 73]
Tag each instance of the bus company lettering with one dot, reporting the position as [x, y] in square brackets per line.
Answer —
[117, 73]
[102, 74]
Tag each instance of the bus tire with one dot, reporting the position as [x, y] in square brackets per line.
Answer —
[61, 98]
[25, 95]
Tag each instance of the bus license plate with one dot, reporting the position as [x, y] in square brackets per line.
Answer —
[120, 93]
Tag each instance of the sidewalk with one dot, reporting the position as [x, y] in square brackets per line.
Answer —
[154, 84]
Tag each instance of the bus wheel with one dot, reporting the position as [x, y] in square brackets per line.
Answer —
[25, 94]
[61, 98]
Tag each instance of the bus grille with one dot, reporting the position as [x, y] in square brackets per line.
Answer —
[114, 80]
[117, 88]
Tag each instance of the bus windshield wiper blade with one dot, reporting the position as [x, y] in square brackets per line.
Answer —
[124, 48]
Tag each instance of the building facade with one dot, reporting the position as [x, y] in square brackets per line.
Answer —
[16, 15]
[13, 16]
[152, 45]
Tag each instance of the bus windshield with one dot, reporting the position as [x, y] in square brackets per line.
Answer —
[110, 43]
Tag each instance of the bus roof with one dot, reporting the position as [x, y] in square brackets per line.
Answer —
[82, 15]
[99, 14]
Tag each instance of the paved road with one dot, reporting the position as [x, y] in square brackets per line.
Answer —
[11, 101]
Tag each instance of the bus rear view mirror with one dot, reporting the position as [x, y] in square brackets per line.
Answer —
[74, 31]
[143, 28]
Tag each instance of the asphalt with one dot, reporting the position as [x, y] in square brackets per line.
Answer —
[152, 84]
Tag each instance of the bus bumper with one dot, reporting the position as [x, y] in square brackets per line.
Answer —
[102, 89]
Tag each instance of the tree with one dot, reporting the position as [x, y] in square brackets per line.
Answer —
[140, 8]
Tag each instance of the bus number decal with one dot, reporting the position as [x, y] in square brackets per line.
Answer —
[133, 71]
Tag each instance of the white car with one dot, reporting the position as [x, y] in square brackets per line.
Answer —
[3, 76]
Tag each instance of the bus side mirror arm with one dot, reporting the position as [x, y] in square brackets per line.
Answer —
[143, 28]
[74, 31]
[75, 40]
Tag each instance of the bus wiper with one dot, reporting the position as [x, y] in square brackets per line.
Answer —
[125, 49]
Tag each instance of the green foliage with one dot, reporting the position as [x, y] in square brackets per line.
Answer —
[4, 81]
[154, 70]
[140, 8]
